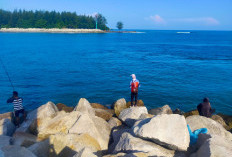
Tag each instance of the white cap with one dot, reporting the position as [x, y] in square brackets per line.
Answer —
[133, 76]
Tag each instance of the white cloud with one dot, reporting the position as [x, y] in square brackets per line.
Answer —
[92, 14]
[157, 19]
[208, 21]
[202, 20]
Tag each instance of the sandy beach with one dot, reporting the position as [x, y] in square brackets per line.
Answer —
[51, 30]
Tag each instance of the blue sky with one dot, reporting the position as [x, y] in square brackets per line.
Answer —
[142, 14]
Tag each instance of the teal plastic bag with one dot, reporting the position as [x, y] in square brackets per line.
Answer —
[194, 135]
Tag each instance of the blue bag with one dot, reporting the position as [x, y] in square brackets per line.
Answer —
[194, 135]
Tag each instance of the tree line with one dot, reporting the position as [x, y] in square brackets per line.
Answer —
[50, 19]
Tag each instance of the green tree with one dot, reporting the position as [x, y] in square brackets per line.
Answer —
[46, 19]
[119, 25]
[41, 23]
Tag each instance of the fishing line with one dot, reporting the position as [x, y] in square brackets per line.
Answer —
[7, 73]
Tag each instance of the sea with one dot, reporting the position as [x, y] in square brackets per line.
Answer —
[174, 68]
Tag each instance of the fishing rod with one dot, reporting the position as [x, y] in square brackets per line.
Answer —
[7, 74]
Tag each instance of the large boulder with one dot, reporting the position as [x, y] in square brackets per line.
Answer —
[98, 106]
[191, 113]
[95, 127]
[7, 115]
[215, 147]
[67, 145]
[145, 116]
[24, 139]
[227, 119]
[139, 103]
[196, 122]
[6, 127]
[104, 130]
[116, 135]
[59, 124]
[130, 115]
[114, 122]
[178, 111]
[77, 123]
[4, 141]
[220, 120]
[161, 110]
[40, 149]
[131, 144]
[16, 151]
[63, 107]
[119, 105]
[168, 130]
[39, 123]
[84, 106]
[104, 113]
[48, 110]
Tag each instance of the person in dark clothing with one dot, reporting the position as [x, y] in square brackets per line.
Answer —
[134, 85]
[18, 106]
[204, 108]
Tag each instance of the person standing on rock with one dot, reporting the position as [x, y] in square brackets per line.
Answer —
[204, 108]
[18, 106]
[134, 85]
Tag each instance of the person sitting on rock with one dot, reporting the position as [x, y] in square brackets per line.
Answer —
[204, 108]
[18, 106]
[134, 85]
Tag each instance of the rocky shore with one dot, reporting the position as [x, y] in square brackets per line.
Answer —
[52, 30]
[92, 130]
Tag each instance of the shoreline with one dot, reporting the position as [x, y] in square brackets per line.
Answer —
[50, 30]
[58, 30]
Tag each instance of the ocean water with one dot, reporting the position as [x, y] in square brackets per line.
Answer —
[173, 68]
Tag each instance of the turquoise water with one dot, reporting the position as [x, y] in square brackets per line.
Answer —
[175, 69]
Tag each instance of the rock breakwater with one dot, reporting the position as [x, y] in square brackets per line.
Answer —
[92, 130]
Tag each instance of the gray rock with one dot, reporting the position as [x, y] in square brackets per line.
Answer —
[4, 141]
[119, 105]
[104, 130]
[59, 124]
[6, 127]
[114, 122]
[24, 139]
[7, 115]
[167, 130]
[220, 120]
[131, 144]
[68, 145]
[178, 111]
[16, 151]
[130, 115]
[145, 116]
[105, 114]
[84, 106]
[96, 127]
[215, 146]
[48, 110]
[85, 152]
[40, 149]
[214, 128]
[161, 110]
[116, 135]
